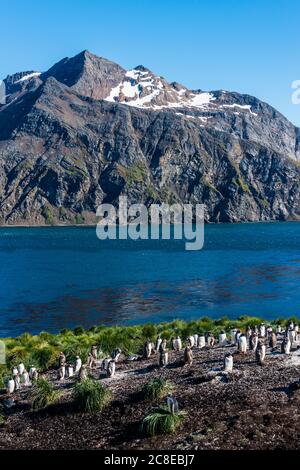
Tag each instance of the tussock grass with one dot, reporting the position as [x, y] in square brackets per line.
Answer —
[156, 389]
[42, 350]
[43, 394]
[90, 396]
[161, 421]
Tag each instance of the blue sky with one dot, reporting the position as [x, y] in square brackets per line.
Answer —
[246, 46]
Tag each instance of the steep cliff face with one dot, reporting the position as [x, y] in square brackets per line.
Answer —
[87, 131]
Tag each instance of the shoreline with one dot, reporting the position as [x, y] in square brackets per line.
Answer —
[233, 223]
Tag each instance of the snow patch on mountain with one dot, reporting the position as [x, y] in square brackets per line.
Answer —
[28, 77]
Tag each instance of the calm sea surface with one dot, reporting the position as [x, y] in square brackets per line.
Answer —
[54, 278]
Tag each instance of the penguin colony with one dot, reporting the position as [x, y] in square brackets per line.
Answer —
[258, 339]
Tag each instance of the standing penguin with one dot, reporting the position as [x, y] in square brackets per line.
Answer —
[272, 340]
[210, 340]
[17, 382]
[93, 357]
[148, 349]
[292, 336]
[111, 368]
[158, 343]
[233, 335]
[253, 342]
[31, 372]
[78, 364]
[21, 368]
[177, 344]
[248, 332]
[228, 362]
[286, 346]
[201, 341]
[117, 353]
[61, 359]
[35, 375]
[237, 337]
[83, 373]
[191, 341]
[188, 356]
[222, 338]
[25, 378]
[61, 372]
[260, 353]
[262, 330]
[70, 370]
[10, 386]
[242, 344]
[14, 371]
[172, 403]
[278, 329]
[196, 336]
[163, 354]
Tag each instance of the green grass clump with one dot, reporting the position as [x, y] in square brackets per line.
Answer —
[90, 396]
[157, 389]
[161, 421]
[43, 394]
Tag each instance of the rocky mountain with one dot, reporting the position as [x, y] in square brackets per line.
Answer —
[87, 131]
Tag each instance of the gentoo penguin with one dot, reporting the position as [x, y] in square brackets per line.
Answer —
[286, 346]
[61, 372]
[163, 353]
[191, 341]
[237, 336]
[148, 349]
[273, 340]
[163, 345]
[17, 382]
[31, 371]
[278, 329]
[228, 362]
[70, 370]
[35, 375]
[14, 371]
[210, 340]
[78, 364]
[260, 353]
[248, 332]
[222, 338]
[10, 386]
[177, 344]
[111, 368]
[242, 344]
[158, 343]
[233, 335]
[172, 403]
[262, 331]
[90, 360]
[21, 368]
[201, 341]
[291, 325]
[61, 359]
[269, 330]
[25, 378]
[253, 342]
[83, 373]
[292, 336]
[92, 357]
[116, 354]
[188, 355]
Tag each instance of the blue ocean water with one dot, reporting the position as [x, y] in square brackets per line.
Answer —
[54, 278]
